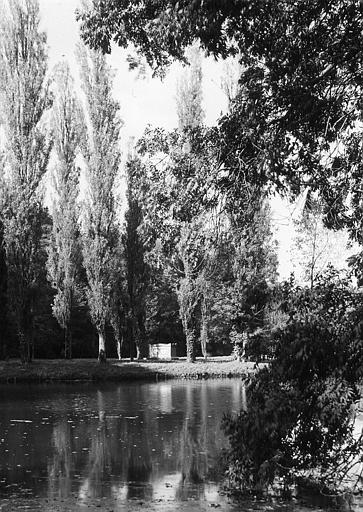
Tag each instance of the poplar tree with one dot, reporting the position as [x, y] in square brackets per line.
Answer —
[191, 289]
[136, 266]
[64, 247]
[23, 101]
[189, 92]
[102, 158]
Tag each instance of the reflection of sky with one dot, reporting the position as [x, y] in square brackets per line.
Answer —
[139, 446]
[144, 441]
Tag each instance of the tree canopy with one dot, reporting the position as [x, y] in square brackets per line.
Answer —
[301, 73]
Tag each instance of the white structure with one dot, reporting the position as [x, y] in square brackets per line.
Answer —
[163, 351]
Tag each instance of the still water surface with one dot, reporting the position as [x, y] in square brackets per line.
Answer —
[152, 446]
[116, 441]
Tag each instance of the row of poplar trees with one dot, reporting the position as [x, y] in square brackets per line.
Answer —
[44, 125]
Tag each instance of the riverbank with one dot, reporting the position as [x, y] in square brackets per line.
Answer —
[49, 370]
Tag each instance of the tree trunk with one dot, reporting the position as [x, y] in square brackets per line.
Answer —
[244, 343]
[204, 330]
[101, 347]
[142, 347]
[22, 348]
[204, 338]
[119, 343]
[190, 339]
[67, 343]
[25, 348]
[142, 350]
[2, 347]
[132, 343]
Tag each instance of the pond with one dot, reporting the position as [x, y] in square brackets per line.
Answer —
[153, 446]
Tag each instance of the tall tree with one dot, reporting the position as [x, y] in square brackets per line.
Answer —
[136, 267]
[254, 266]
[192, 287]
[64, 247]
[189, 92]
[229, 79]
[102, 157]
[168, 189]
[176, 217]
[23, 100]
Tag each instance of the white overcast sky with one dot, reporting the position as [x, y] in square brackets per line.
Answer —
[142, 101]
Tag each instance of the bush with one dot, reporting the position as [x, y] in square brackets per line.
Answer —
[300, 419]
[261, 345]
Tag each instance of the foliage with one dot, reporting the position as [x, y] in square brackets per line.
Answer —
[219, 251]
[246, 260]
[137, 270]
[158, 30]
[119, 303]
[24, 99]
[163, 323]
[102, 156]
[300, 84]
[177, 179]
[301, 409]
[260, 346]
[176, 224]
[64, 249]
[254, 264]
[191, 253]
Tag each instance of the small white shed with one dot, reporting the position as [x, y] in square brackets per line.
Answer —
[163, 351]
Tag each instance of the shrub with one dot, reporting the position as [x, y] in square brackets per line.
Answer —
[300, 418]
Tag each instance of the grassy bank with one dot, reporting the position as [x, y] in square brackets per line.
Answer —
[114, 370]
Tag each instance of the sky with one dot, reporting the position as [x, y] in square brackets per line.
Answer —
[142, 101]
[152, 101]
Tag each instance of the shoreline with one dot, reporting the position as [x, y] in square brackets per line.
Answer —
[89, 370]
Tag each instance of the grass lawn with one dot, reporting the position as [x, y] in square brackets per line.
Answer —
[43, 370]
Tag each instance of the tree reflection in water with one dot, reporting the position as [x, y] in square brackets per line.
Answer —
[128, 441]
[60, 469]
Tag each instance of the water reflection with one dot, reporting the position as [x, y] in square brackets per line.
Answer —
[122, 441]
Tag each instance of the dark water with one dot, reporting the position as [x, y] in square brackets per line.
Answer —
[117, 447]
[117, 441]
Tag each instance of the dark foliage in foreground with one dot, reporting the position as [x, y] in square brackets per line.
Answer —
[300, 418]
